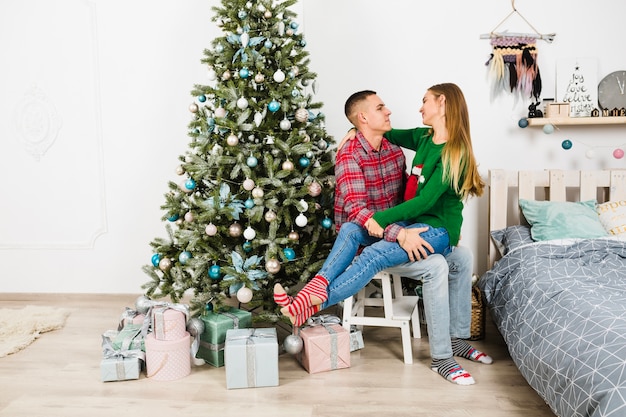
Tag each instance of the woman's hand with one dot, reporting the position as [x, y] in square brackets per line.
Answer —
[415, 246]
[350, 135]
[373, 228]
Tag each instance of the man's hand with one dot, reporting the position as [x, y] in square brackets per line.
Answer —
[411, 241]
[373, 228]
[350, 135]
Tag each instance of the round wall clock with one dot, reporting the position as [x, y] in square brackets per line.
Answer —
[612, 91]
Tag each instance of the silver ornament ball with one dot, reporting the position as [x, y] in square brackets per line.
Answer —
[293, 344]
[195, 326]
[142, 304]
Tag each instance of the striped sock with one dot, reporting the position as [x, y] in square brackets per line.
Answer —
[464, 350]
[299, 319]
[452, 371]
[281, 297]
[313, 293]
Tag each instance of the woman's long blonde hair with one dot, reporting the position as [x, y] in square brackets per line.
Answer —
[460, 167]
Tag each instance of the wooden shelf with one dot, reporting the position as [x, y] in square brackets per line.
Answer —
[571, 121]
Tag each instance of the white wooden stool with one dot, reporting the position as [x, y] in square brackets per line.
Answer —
[399, 310]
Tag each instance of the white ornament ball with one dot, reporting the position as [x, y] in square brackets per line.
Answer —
[212, 75]
[244, 295]
[288, 166]
[249, 233]
[279, 76]
[293, 344]
[211, 229]
[302, 115]
[232, 140]
[267, 14]
[242, 103]
[193, 107]
[180, 170]
[220, 112]
[272, 266]
[301, 220]
[189, 217]
[270, 216]
[303, 206]
[258, 193]
[226, 75]
[165, 264]
[285, 124]
[315, 189]
[248, 184]
[590, 154]
[259, 78]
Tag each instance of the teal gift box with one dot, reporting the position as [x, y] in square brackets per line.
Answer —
[119, 369]
[251, 358]
[129, 338]
[212, 340]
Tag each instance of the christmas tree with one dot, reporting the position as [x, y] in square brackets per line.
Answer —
[253, 202]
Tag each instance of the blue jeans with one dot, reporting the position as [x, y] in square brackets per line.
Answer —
[377, 255]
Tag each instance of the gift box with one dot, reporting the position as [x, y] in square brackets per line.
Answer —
[251, 358]
[213, 339]
[130, 316]
[326, 347]
[119, 365]
[167, 360]
[356, 339]
[168, 323]
[129, 338]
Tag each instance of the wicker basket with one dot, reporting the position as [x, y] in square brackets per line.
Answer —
[477, 326]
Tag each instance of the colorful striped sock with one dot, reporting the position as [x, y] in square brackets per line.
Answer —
[464, 350]
[452, 371]
[313, 293]
[281, 297]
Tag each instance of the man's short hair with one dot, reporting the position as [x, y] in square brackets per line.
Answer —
[353, 101]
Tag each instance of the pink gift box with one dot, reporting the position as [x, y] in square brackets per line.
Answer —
[167, 360]
[326, 348]
[168, 324]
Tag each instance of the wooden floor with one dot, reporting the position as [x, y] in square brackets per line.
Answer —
[59, 376]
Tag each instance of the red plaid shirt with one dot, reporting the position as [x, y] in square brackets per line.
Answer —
[368, 181]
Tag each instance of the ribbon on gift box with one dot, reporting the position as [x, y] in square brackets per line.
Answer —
[160, 307]
[250, 353]
[326, 320]
[128, 314]
[109, 352]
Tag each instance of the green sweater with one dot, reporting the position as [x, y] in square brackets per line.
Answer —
[435, 203]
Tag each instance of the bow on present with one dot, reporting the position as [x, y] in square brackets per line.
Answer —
[109, 352]
[128, 314]
[159, 307]
[323, 319]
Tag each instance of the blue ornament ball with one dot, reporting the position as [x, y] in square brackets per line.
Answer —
[566, 144]
[523, 123]
[302, 42]
[214, 272]
[268, 44]
[548, 129]
[155, 259]
[327, 223]
[190, 184]
[249, 203]
[208, 307]
[252, 161]
[247, 246]
[290, 254]
[294, 25]
[184, 257]
[244, 73]
[173, 218]
[304, 162]
[273, 106]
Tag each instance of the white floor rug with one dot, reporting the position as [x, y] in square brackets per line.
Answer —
[20, 327]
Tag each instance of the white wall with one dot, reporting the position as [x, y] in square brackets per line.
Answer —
[102, 88]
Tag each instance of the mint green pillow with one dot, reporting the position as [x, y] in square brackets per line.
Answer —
[562, 219]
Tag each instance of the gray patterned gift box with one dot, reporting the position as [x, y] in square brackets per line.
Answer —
[251, 358]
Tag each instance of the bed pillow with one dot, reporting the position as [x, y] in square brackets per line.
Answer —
[562, 219]
[511, 238]
[612, 216]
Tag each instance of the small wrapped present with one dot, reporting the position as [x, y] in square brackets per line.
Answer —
[251, 358]
[129, 338]
[119, 365]
[356, 339]
[326, 345]
[168, 323]
[167, 360]
[213, 338]
[130, 316]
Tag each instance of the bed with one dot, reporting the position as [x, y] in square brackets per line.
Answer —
[556, 284]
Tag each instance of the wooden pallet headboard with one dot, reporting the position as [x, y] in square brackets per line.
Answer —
[507, 187]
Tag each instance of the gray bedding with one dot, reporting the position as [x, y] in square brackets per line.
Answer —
[561, 309]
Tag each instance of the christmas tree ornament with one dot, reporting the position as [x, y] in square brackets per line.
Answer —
[267, 14]
[155, 259]
[279, 76]
[179, 222]
[259, 78]
[249, 203]
[566, 144]
[189, 217]
[289, 32]
[244, 73]
[190, 184]
[257, 192]
[242, 103]
[208, 307]
[248, 184]
[281, 28]
[315, 189]
[242, 14]
[210, 122]
[165, 264]
[249, 233]
[215, 271]
[180, 170]
[201, 98]
[302, 205]
[142, 304]
[293, 236]
[210, 229]
[304, 162]
[285, 124]
[289, 253]
[235, 230]
[322, 144]
[232, 140]
[173, 218]
[293, 344]
[193, 107]
[590, 154]
[618, 153]
[301, 220]
[327, 223]
[309, 154]
[226, 76]
[247, 246]
[220, 112]
[195, 326]
[244, 295]
[211, 74]
[219, 48]
[258, 118]
[288, 165]
[269, 140]
[272, 266]
[270, 216]
[274, 106]
[302, 115]
[184, 257]
[252, 161]
[548, 129]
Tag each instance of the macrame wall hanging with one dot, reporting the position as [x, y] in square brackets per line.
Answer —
[512, 65]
